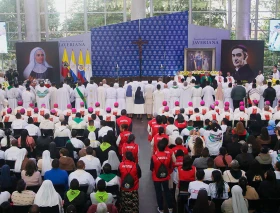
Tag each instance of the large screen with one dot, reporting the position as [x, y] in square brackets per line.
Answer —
[274, 35]
[3, 38]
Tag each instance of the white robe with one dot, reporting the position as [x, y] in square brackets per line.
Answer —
[227, 97]
[64, 98]
[219, 79]
[208, 93]
[174, 96]
[196, 96]
[77, 97]
[158, 98]
[121, 92]
[12, 96]
[111, 97]
[53, 96]
[261, 103]
[259, 80]
[101, 96]
[189, 79]
[166, 92]
[91, 90]
[149, 89]
[45, 98]
[27, 98]
[185, 96]
[230, 79]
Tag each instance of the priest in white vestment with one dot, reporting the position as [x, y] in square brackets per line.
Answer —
[78, 97]
[230, 79]
[148, 95]
[185, 95]
[259, 78]
[160, 82]
[178, 77]
[121, 97]
[175, 93]
[92, 95]
[208, 93]
[101, 95]
[12, 95]
[111, 96]
[42, 95]
[219, 78]
[166, 92]
[196, 95]
[27, 98]
[262, 88]
[104, 83]
[64, 97]
[227, 95]
[158, 98]
[53, 95]
[190, 78]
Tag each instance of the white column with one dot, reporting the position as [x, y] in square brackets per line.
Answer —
[18, 20]
[190, 11]
[32, 23]
[229, 14]
[243, 11]
[138, 9]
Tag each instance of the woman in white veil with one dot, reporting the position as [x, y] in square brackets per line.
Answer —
[20, 157]
[38, 67]
[47, 196]
[113, 160]
[46, 162]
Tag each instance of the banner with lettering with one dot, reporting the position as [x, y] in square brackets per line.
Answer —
[207, 37]
[76, 43]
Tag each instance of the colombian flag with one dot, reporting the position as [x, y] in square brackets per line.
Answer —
[73, 67]
[65, 64]
[81, 68]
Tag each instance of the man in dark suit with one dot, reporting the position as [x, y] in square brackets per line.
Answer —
[243, 71]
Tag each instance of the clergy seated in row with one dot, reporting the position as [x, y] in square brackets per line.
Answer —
[77, 122]
[37, 118]
[103, 129]
[18, 108]
[82, 176]
[12, 152]
[241, 115]
[101, 195]
[82, 110]
[62, 131]
[109, 116]
[9, 117]
[266, 114]
[43, 110]
[19, 123]
[78, 144]
[30, 110]
[46, 123]
[91, 162]
[32, 129]
[197, 116]
[53, 116]
[110, 178]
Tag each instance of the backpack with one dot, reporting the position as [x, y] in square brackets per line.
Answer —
[162, 170]
[128, 181]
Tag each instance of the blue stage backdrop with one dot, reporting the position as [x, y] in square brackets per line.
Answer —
[167, 37]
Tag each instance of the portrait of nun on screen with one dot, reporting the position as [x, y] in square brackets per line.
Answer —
[38, 60]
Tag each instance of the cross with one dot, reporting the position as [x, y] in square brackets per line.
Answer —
[140, 44]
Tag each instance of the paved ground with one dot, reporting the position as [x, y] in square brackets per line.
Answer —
[147, 195]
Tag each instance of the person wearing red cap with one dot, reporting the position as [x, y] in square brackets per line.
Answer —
[189, 110]
[208, 94]
[254, 109]
[116, 110]
[30, 110]
[266, 115]
[241, 115]
[58, 111]
[267, 103]
[196, 116]
[109, 116]
[53, 116]
[167, 113]
[37, 118]
[212, 114]
[203, 109]
[82, 109]
[176, 109]
[87, 117]
[161, 109]
[68, 111]
[226, 113]
[98, 111]
[43, 110]
[18, 108]
[175, 93]
[8, 117]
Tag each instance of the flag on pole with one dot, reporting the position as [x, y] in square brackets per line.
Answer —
[73, 67]
[88, 69]
[65, 64]
[81, 68]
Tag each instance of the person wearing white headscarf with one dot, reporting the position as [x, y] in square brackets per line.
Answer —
[38, 67]
[237, 203]
[113, 160]
[46, 162]
[20, 157]
[47, 196]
